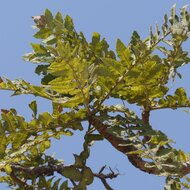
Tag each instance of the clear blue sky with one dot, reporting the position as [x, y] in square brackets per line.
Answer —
[112, 19]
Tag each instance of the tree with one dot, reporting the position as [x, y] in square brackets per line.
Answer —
[78, 77]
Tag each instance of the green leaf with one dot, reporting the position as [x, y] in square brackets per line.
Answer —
[59, 17]
[34, 151]
[19, 139]
[68, 23]
[79, 161]
[33, 107]
[72, 173]
[42, 182]
[182, 157]
[120, 47]
[48, 15]
[174, 18]
[123, 53]
[38, 48]
[111, 69]
[136, 152]
[3, 145]
[43, 33]
[45, 118]
[64, 185]
[49, 18]
[94, 137]
[87, 176]
[181, 96]
[56, 184]
[10, 121]
[95, 38]
[44, 145]
[8, 169]
[41, 69]
[50, 40]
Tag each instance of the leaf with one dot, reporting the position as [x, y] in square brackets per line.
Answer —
[47, 78]
[72, 173]
[59, 17]
[38, 48]
[19, 139]
[10, 121]
[44, 145]
[174, 18]
[42, 181]
[43, 33]
[182, 157]
[95, 38]
[64, 185]
[3, 145]
[137, 152]
[8, 169]
[49, 182]
[115, 68]
[50, 40]
[49, 18]
[41, 69]
[68, 23]
[94, 137]
[120, 47]
[137, 46]
[45, 118]
[79, 161]
[57, 109]
[56, 184]
[123, 53]
[165, 25]
[164, 50]
[181, 96]
[33, 107]
[34, 151]
[87, 176]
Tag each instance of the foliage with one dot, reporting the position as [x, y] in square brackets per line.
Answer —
[78, 77]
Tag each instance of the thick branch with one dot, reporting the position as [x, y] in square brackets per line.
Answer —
[146, 116]
[118, 143]
[135, 159]
[39, 171]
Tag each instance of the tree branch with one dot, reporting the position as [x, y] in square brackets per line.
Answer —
[118, 143]
[103, 177]
[39, 171]
[146, 116]
[17, 180]
[135, 159]
[51, 168]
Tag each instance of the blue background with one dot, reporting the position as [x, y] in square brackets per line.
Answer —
[112, 19]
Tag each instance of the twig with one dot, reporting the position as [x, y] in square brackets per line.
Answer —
[103, 177]
[102, 169]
